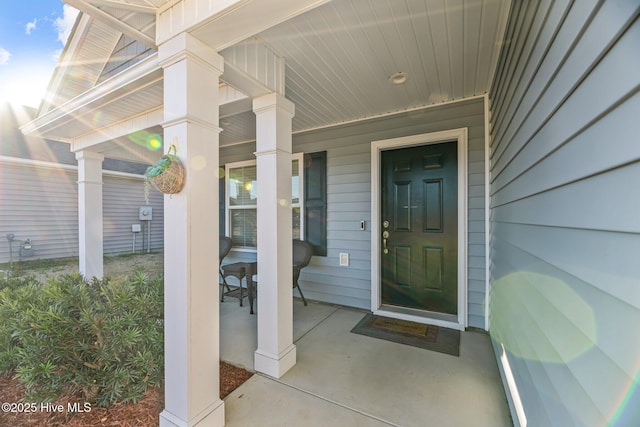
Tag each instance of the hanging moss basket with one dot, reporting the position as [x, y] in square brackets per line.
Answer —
[166, 175]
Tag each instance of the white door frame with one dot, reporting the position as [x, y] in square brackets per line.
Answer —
[459, 135]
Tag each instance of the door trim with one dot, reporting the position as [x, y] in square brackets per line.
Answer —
[459, 135]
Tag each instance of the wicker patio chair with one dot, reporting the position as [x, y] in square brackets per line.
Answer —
[225, 247]
[302, 252]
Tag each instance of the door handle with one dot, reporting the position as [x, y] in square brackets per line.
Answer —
[385, 235]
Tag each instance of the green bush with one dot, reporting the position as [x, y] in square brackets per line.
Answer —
[11, 301]
[103, 338]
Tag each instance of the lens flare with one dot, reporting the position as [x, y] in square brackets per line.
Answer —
[155, 143]
[151, 141]
[560, 324]
[198, 162]
[97, 118]
[628, 410]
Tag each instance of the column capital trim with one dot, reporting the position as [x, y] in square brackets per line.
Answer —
[271, 152]
[185, 46]
[89, 155]
[190, 119]
[88, 181]
[273, 101]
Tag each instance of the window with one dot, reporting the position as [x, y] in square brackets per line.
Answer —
[242, 197]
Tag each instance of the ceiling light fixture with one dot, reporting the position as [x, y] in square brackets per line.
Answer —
[398, 78]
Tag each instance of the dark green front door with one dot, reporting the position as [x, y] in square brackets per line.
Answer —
[419, 238]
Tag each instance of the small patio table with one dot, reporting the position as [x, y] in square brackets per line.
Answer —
[241, 270]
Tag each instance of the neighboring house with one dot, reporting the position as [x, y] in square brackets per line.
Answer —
[466, 164]
[39, 197]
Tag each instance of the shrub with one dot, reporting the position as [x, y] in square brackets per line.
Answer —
[103, 338]
[11, 302]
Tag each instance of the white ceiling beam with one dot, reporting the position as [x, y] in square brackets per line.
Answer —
[125, 127]
[236, 107]
[86, 7]
[124, 149]
[148, 10]
[224, 23]
[237, 78]
[230, 105]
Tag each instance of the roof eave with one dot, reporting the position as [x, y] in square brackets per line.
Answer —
[126, 81]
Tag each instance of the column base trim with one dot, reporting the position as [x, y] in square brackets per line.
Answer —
[275, 365]
[212, 416]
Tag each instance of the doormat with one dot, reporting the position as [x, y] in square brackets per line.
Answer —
[429, 337]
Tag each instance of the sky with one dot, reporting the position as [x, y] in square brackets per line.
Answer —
[32, 36]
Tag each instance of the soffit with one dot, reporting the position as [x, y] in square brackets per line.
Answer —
[111, 110]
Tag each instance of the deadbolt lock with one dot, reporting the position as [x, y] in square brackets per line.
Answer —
[385, 224]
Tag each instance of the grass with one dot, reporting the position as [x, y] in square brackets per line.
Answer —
[129, 254]
[58, 264]
[38, 264]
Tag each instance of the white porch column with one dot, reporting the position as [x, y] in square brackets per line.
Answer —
[192, 344]
[276, 353]
[91, 234]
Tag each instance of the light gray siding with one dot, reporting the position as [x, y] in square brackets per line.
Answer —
[349, 199]
[565, 229]
[40, 202]
[122, 198]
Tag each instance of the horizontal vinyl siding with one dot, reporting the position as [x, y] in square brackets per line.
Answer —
[122, 198]
[41, 203]
[565, 230]
[349, 200]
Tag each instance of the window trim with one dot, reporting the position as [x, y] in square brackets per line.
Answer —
[227, 205]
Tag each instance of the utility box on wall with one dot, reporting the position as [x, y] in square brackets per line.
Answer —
[146, 213]
[26, 249]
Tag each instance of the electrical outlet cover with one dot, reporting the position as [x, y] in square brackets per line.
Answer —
[344, 260]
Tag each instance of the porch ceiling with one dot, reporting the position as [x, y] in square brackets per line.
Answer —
[339, 57]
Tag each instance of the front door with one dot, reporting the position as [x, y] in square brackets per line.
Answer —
[419, 238]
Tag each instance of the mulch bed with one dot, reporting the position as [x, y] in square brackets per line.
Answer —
[143, 413]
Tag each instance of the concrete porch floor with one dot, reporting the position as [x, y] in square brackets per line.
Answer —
[345, 379]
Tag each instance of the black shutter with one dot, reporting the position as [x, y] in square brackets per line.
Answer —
[315, 201]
